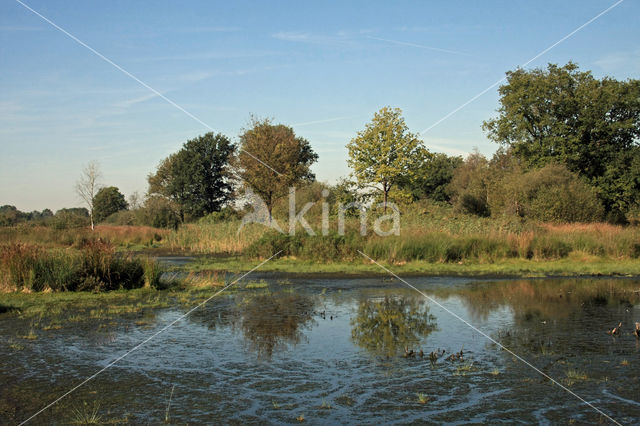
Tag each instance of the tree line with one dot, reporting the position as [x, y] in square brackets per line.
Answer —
[568, 152]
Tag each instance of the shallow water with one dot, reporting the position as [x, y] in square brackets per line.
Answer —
[334, 351]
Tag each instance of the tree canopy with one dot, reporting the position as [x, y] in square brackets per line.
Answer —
[567, 116]
[108, 200]
[385, 153]
[196, 177]
[272, 158]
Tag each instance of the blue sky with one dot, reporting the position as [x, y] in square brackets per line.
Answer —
[322, 67]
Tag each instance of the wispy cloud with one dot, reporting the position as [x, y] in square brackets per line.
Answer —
[210, 55]
[620, 62]
[340, 38]
[210, 29]
[419, 46]
[327, 120]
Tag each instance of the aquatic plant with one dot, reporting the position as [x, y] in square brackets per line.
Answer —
[423, 398]
[86, 415]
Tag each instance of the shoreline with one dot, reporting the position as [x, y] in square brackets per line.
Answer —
[563, 268]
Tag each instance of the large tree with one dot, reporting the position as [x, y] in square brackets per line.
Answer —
[196, 177]
[272, 158]
[88, 186]
[564, 115]
[108, 201]
[385, 153]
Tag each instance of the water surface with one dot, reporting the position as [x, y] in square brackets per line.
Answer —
[341, 351]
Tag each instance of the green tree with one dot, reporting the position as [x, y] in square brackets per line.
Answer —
[272, 158]
[385, 153]
[196, 177]
[433, 176]
[567, 116]
[108, 201]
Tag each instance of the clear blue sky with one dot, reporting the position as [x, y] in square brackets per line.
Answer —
[322, 67]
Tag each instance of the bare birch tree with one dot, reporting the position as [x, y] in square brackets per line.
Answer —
[88, 185]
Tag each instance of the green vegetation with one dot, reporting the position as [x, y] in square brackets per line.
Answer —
[108, 201]
[385, 153]
[271, 158]
[559, 197]
[94, 267]
[194, 179]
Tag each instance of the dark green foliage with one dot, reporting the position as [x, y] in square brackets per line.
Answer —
[108, 200]
[196, 177]
[473, 204]
[76, 217]
[432, 177]
[224, 215]
[11, 216]
[563, 115]
[95, 267]
[317, 247]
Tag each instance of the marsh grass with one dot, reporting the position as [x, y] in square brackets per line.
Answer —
[574, 376]
[47, 236]
[86, 414]
[94, 267]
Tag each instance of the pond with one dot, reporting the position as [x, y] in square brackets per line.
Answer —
[341, 350]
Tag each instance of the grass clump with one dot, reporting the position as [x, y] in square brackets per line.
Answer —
[94, 267]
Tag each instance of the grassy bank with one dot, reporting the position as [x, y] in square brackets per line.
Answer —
[434, 239]
[574, 265]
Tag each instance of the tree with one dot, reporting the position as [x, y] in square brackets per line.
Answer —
[196, 177]
[432, 177]
[87, 187]
[385, 152]
[563, 115]
[108, 201]
[271, 159]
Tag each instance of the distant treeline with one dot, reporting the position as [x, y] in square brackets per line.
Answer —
[63, 218]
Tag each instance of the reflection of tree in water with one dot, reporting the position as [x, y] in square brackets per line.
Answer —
[385, 327]
[271, 321]
[555, 316]
[546, 299]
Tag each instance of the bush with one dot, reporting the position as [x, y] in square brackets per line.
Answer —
[224, 215]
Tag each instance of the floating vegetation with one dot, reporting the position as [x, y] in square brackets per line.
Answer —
[325, 405]
[574, 376]
[464, 369]
[423, 398]
[256, 285]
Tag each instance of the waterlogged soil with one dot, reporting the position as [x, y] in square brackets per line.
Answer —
[327, 351]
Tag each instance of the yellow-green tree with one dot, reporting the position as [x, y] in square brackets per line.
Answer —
[385, 152]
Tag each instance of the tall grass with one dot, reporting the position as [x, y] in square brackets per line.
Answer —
[95, 267]
[75, 237]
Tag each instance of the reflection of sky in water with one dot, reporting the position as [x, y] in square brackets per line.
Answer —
[218, 374]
